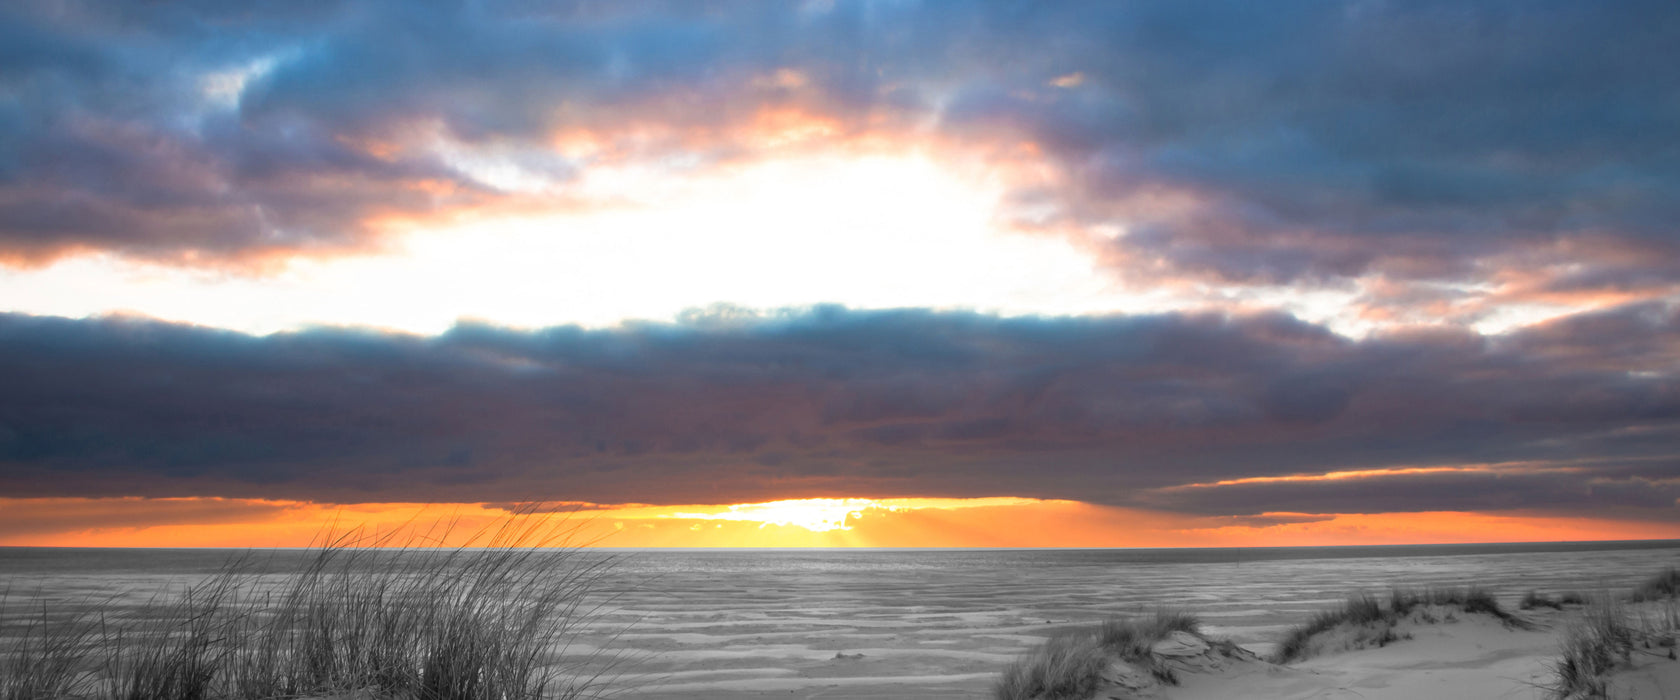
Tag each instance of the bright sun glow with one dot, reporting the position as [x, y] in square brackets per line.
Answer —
[814, 514]
[870, 231]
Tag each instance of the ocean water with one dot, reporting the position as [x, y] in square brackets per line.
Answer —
[904, 623]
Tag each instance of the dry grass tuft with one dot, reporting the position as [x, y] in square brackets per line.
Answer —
[1367, 611]
[1592, 647]
[1608, 633]
[48, 655]
[489, 620]
[181, 660]
[1131, 638]
[1071, 665]
[1297, 642]
[1067, 667]
[1662, 585]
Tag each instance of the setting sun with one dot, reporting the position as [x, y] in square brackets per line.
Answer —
[814, 514]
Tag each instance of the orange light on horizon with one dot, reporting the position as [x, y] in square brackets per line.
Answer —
[818, 522]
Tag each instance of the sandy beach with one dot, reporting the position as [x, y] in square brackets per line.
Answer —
[1460, 656]
[1471, 657]
[880, 627]
[1428, 644]
[945, 624]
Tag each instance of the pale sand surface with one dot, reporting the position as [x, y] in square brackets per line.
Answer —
[947, 633]
[1653, 675]
[1469, 657]
[1472, 657]
[943, 625]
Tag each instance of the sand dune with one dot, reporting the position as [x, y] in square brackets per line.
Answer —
[1472, 656]
[1436, 652]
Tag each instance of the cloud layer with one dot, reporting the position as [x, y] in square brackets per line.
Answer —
[1524, 146]
[1577, 416]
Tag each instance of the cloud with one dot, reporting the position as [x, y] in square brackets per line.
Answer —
[1651, 490]
[1265, 520]
[829, 402]
[1307, 142]
[23, 517]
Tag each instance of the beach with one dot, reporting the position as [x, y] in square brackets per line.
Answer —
[944, 623]
[922, 625]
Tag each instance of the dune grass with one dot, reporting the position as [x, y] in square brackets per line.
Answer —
[1131, 638]
[1357, 610]
[1473, 600]
[1663, 585]
[1379, 619]
[1591, 648]
[1070, 666]
[489, 620]
[1608, 633]
[46, 655]
[1065, 667]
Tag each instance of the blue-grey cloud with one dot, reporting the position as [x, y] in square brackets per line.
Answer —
[729, 407]
[1320, 139]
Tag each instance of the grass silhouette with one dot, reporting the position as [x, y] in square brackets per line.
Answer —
[1375, 619]
[394, 615]
[1071, 665]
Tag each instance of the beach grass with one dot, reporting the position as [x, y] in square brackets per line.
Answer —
[46, 654]
[1592, 647]
[1357, 610]
[1663, 585]
[1374, 619]
[1131, 638]
[1609, 631]
[1071, 665]
[1065, 667]
[490, 619]
[1471, 599]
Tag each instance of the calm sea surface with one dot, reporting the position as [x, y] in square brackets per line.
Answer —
[907, 623]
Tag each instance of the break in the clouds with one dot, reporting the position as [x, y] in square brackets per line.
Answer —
[1425, 160]
[1200, 414]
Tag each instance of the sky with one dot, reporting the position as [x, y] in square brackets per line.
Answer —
[875, 273]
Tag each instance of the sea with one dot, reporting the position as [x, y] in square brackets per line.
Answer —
[904, 623]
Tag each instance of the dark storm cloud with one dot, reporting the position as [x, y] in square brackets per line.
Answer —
[1317, 139]
[727, 407]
